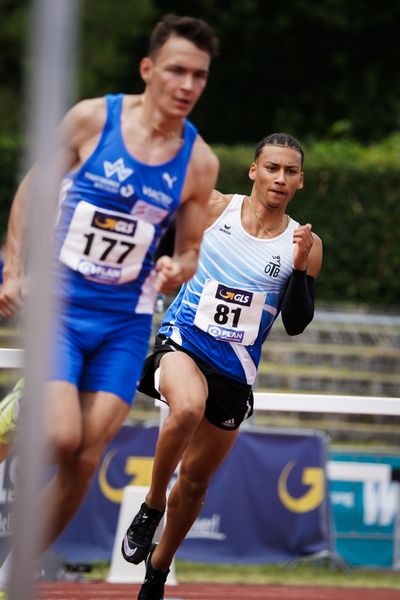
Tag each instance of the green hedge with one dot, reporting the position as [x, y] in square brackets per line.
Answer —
[10, 154]
[351, 196]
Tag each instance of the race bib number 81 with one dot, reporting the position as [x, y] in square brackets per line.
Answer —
[229, 314]
[106, 246]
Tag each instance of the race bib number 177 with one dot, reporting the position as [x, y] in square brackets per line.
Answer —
[106, 246]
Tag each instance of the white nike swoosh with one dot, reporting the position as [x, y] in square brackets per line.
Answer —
[128, 551]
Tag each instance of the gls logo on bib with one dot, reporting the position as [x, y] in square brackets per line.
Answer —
[104, 221]
[233, 295]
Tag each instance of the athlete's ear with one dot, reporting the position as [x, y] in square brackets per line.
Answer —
[252, 171]
[146, 68]
[301, 182]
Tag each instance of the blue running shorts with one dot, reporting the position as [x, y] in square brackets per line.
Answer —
[100, 351]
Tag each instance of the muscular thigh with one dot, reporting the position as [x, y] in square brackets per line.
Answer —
[182, 382]
[78, 421]
[228, 402]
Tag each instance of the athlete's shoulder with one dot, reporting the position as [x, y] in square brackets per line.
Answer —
[202, 174]
[216, 205]
[83, 121]
[203, 158]
[89, 112]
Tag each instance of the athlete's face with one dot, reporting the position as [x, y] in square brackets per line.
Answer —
[176, 76]
[277, 175]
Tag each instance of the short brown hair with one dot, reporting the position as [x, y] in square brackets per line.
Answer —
[195, 30]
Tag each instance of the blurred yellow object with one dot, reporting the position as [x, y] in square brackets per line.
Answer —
[9, 411]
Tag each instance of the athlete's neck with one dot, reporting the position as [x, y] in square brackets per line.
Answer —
[166, 127]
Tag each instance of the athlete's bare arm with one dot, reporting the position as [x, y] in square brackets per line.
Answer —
[307, 255]
[191, 220]
[78, 132]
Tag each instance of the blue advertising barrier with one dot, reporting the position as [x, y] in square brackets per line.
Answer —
[128, 460]
[267, 503]
[8, 477]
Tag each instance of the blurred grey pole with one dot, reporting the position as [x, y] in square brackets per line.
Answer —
[50, 81]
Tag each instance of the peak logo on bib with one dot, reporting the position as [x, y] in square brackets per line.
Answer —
[224, 334]
[98, 272]
[117, 168]
[233, 295]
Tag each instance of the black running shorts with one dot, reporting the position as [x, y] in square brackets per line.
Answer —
[229, 402]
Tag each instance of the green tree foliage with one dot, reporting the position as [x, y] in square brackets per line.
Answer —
[10, 158]
[320, 69]
[13, 19]
[302, 66]
[114, 38]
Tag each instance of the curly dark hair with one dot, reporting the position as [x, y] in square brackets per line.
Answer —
[280, 139]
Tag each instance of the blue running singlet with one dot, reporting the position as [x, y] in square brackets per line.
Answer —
[225, 312]
[112, 213]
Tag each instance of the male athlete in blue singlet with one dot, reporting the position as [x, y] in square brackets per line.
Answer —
[131, 164]
[255, 262]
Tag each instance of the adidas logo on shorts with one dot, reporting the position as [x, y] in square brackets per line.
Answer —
[229, 423]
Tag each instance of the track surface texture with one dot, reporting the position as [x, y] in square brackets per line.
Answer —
[209, 591]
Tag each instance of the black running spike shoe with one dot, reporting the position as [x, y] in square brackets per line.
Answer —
[137, 540]
[154, 581]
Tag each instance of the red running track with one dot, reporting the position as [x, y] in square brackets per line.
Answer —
[209, 591]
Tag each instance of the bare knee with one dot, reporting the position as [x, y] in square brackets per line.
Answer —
[184, 419]
[86, 463]
[63, 426]
[192, 487]
[80, 466]
[64, 445]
